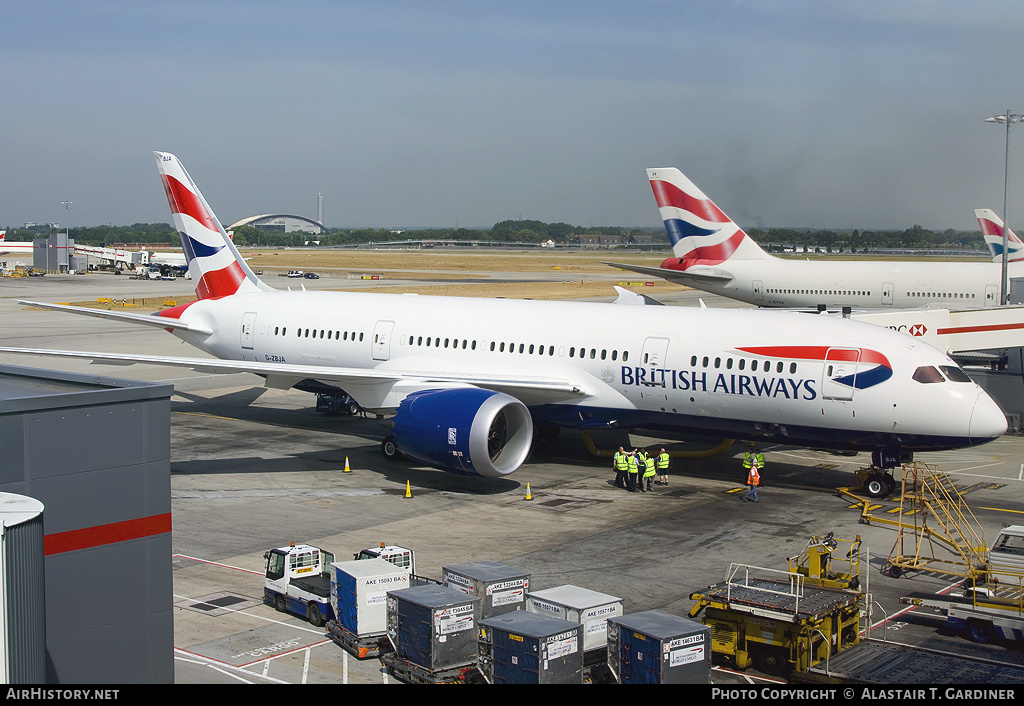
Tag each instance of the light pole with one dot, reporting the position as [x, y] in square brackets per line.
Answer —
[67, 210]
[1007, 118]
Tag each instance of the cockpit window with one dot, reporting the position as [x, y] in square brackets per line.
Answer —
[927, 373]
[954, 373]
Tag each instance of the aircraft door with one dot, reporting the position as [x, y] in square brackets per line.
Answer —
[887, 292]
[758, 290]
[652, 357]
[248, 329]
[991, 295]
[381, 345]
[839, 377]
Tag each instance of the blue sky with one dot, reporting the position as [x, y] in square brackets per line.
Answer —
[865, 114]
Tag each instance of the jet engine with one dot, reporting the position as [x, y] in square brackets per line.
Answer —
[463, 430]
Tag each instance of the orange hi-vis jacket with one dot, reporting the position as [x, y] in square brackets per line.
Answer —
[754, 478]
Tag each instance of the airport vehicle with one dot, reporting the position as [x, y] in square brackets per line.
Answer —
[992, 228]
[310, 275]
[978, 614]
[461, 382]
[298, 581]
[712, 253]
[298, 578]
[992, 602]
[777, 621]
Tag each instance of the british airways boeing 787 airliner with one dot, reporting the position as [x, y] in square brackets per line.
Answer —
[461, 381]
[712, 253]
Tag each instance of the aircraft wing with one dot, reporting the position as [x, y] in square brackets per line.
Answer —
[285, 375]
[148, 319]
[676, 276]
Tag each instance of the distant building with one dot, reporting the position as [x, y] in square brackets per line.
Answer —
[596, 240]
[281, 223]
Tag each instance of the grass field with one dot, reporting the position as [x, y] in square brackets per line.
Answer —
[425, 271]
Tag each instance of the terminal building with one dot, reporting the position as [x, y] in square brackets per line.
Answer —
[282, 223]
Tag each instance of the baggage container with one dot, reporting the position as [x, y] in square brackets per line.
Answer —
[578, 605]
[359, 594]
[432, 627]
[500, 588]
[655, 647]
[530, 648]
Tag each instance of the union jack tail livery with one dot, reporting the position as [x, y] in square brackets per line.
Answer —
[213, 262]
[700, 233]
[992, 229]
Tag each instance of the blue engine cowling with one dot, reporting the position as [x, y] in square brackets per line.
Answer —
[464, 430]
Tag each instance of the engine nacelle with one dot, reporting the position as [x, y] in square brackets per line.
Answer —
[464, 430]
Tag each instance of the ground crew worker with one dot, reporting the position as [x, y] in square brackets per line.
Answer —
[649, 471]
[631, 470]
[641, 464]
[753, 480]
[752, 455]
[663, 459]
[620, 463]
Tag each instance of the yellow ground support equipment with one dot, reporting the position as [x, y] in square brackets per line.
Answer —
[778, 621]
[820, 563]
[932, 513]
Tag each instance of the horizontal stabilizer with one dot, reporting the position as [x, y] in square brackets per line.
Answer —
[676, 276]
[147, 319]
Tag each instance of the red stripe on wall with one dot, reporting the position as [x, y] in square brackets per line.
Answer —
[100, 535]
[977, 329]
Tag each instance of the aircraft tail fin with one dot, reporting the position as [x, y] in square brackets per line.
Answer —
[700, 233]
[992, 229]
[213, 262]
[3, 235]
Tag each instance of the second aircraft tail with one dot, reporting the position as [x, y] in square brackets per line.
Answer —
[992, 229]
[700, 233]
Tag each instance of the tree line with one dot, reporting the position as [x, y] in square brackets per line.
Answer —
[523, 231]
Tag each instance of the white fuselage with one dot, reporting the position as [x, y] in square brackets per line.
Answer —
[777, 282]
[635, 366]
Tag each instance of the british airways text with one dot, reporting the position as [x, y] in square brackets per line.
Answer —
[721, 383]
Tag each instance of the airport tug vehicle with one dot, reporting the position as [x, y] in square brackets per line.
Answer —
[298, 581]
[346, 598]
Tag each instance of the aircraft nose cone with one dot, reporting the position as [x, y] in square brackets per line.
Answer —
[987, 420]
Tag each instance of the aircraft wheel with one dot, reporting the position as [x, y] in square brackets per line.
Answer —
[890, 484]
[390, 449]
[876, 486]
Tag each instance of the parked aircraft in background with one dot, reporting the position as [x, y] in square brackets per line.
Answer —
[992, 228]
[13, 248]
[714, 254]
[462, 382]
